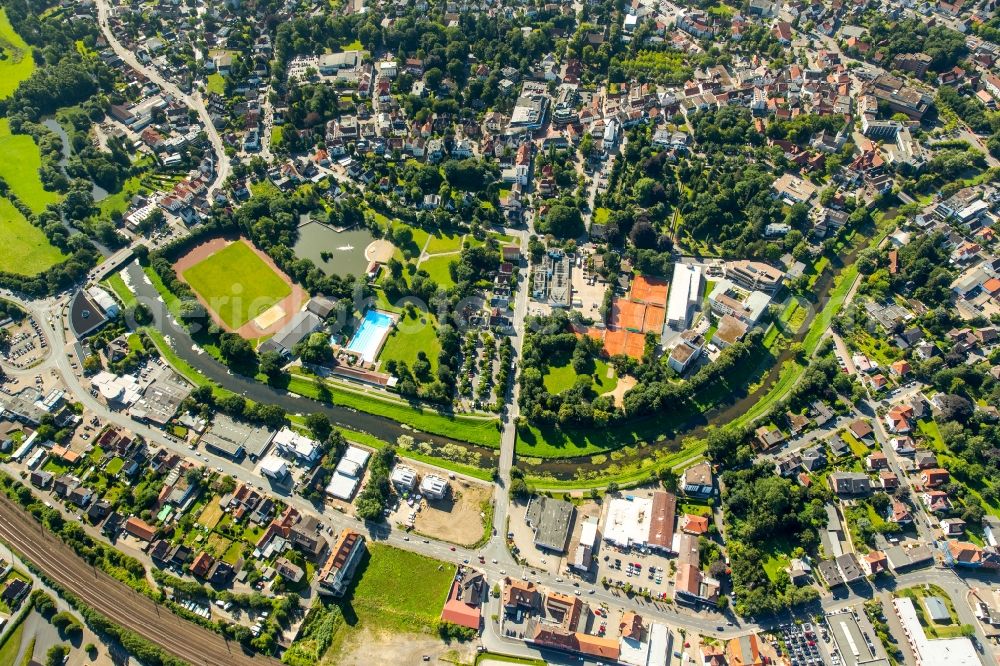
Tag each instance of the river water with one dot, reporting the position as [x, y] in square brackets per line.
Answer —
[389, 430]
[184, 346]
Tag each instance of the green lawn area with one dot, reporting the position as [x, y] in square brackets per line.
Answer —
[135, 342]
[12, 642]
[793, 316]
[276, 135]
[121, 290]
[216, 83]
[410, 336]
[695, 507]
[353, 46]
[238, 270]
[16, 63]
[722, 11]
[561, 378]
[233, 553]
[475, 430]
[400, 591]
[774, 564]
[25, 250]
[857, 448]
[56, 466]
[412, 249]
[115, 466]
[19, 163]
[438, 269]
[444, 242]
[263, 187]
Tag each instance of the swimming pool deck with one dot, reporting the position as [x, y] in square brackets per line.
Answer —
[370, 353]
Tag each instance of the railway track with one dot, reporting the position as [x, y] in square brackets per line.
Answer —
[124, 606]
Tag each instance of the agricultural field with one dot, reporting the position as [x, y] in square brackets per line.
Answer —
[237, 270]
[17, 63]
[25, 250]
[19, 163]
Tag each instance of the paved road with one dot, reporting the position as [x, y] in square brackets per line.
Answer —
[121, 604]
[223, 166]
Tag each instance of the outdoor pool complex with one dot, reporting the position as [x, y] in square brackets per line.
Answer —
[368, 339]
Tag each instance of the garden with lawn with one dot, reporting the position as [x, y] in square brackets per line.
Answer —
[26, 250]
[215, 83]
[142, 184]
[237, 270]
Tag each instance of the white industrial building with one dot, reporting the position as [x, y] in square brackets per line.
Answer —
[273, 467]
[685, 293]
[628, 521]
[348, 473]
[121, 390]
[932, 652]
[642, 522]
[433, 487]
[291, 444]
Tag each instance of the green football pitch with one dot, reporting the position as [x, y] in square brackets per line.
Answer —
[237, 284]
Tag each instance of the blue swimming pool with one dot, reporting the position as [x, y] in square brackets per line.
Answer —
[370, 335]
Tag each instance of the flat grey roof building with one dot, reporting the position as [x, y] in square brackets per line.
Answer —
[161, 399]
[551, 519]
[936, 609]
[233, 438]
[303, 324]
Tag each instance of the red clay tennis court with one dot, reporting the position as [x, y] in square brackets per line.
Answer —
[624, 342]
[626, 314]
[653, 321]
[649, 290]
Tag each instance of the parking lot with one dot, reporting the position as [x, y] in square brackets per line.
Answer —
[642, 571]
[588, 289]
[26, 346]
[803, 644]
